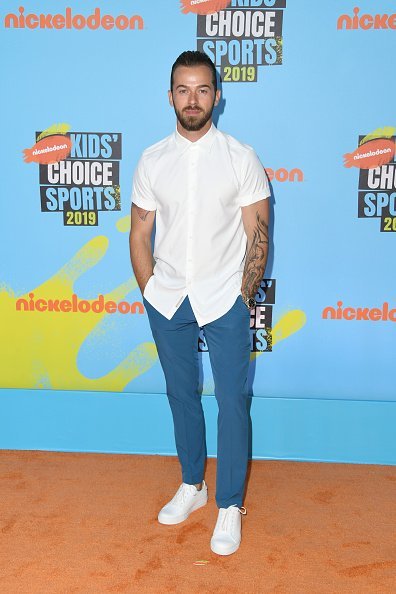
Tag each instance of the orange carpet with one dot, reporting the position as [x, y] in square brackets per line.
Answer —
[86, 523]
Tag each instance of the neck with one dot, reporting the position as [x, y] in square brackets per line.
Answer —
[193, 135]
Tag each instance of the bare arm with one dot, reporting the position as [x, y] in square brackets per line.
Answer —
[142, 222]
[255, 219]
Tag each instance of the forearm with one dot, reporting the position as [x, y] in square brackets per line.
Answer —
[256, 258]
[141, 259]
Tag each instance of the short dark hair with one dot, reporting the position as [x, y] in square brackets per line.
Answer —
[194, 58]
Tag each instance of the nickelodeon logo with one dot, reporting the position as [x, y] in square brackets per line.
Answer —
[76, 305]
[373, 314]
[283, 175]
[366, 21]
[68, 20]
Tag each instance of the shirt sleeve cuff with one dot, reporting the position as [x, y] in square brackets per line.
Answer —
[144, 203]
[247, 200]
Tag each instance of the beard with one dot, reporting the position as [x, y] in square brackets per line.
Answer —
[195, 122]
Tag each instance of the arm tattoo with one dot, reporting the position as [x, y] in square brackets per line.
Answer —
[256, 258]
[142, 213]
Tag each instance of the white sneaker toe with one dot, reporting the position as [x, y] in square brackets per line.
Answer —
[227, 533]
[186, 500]
[222, 544]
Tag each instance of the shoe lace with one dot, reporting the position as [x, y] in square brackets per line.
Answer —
[229, 516]
[182, 493]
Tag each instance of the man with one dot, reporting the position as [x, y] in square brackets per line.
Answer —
[208, 194]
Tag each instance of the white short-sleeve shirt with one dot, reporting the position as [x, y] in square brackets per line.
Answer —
[198, 189]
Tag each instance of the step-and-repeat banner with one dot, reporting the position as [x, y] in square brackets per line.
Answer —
[310, 86]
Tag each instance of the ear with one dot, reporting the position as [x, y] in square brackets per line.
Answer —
[170, 98]
[217, 97]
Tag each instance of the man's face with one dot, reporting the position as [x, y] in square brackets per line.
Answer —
[193, 96]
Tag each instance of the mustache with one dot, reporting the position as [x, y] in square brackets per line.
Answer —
[192, 107]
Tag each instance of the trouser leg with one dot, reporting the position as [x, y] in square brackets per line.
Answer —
[177, 345]
[228, 341]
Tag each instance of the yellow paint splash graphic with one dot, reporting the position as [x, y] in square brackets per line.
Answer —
[124, 224]
[290, 323]
[40, 349]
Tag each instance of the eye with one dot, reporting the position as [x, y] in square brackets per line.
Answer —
[204, 91]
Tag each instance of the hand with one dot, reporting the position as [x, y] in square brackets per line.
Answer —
[250, 302]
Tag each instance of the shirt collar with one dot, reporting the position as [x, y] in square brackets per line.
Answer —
[205, 142]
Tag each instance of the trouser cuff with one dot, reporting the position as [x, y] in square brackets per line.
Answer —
[228, 502]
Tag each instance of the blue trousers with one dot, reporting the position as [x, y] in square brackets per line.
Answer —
[228, 341]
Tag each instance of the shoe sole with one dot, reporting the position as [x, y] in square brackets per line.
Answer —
[180, 519]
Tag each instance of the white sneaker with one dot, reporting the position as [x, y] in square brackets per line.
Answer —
[186, 500]
[227, 533]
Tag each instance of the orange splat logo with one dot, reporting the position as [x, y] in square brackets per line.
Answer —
[50, 149]
[203, 6]
[52, 146]
[371, 154]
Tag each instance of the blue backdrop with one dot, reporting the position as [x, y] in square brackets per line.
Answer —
[322, 82]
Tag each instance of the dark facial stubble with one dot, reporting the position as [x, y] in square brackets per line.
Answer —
[193, 123]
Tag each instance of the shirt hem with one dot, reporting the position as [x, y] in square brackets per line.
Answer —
[203, 322]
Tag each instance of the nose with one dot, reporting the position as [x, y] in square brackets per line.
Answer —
[193, 98]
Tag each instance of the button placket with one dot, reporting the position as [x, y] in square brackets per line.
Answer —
[190, 212]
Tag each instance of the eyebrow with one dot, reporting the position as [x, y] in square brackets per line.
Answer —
[199, 86]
